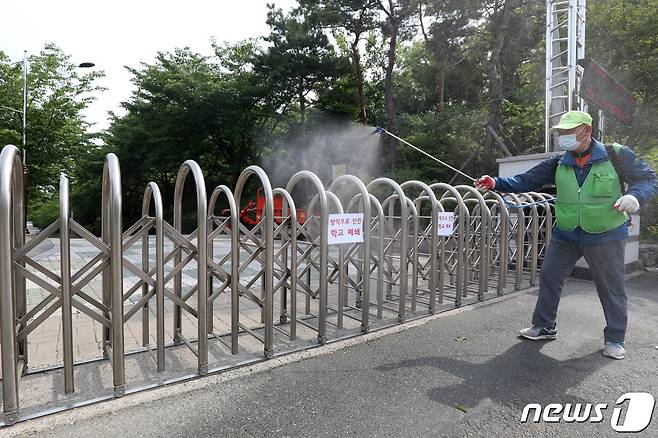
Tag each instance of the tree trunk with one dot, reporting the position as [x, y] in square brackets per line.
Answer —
[391, 110]
[495, 118]
[441, 86]
[302, 107]
[358, 70]
[440, 80]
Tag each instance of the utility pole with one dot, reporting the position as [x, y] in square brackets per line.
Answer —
[24, 103]
[25, 141]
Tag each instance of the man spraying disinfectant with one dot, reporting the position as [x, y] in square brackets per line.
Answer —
[591, 211]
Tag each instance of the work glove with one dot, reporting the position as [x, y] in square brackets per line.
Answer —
[627, 203]
[485, 183]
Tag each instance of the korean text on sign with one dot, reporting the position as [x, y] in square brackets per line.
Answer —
[345, 228]
[446, 223]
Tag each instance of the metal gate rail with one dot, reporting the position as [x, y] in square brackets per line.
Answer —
[402, 270]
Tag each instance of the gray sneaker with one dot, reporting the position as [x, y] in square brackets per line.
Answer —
[614, 350]
[538, 333]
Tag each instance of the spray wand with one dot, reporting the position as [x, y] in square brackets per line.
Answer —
[380, 130]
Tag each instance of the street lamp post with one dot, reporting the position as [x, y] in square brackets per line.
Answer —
[25, 142]
[24, 113]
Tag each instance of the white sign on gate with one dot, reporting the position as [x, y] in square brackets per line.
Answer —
[345, 228]
[446, 223]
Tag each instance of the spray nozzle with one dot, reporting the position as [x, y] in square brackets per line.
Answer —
[379, 130]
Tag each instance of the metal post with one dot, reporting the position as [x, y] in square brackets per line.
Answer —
[145, 287]
[465, 236]
[21, 301]
[413, 259]
[65, 263]
[391, 266]
[365, 203]
[289, 209]
[11, 186]
[235, 275]
[112, 223]
[534, 254]
[210, 317]
[24, 103]
[324, 256]
[313, 179]
[153, 191]
[380, 252]
[462, 222]
[24, 113]
[441, 266]
[503, 239]
[343, 274]
[307, 301]
[268, 243]
[483, 247]
[235, 259]
[342, 279]
[404, 230]
[293, 270]
[520, 242]
[202, 253]
[263, 297]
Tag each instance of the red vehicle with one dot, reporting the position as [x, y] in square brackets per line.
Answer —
[252, 213]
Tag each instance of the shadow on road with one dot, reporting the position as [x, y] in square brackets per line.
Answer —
[518, 376]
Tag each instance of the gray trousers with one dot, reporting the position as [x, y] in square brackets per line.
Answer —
[606, 264]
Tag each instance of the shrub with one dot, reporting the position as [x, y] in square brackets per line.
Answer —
[45, 213]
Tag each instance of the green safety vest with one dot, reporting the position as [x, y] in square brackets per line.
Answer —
[589, 206]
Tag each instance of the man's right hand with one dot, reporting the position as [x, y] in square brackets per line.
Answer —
[485, 183]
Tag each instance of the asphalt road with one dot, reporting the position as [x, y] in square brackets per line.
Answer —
[459, 375]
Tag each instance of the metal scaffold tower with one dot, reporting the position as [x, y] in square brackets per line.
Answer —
[565, 45]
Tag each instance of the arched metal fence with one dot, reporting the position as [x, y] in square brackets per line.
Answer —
[403, 268]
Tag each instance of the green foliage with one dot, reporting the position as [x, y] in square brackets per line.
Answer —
[421, 68]
[45, 213]
[214, 110]
[521, 127]
[622, 38]
[58, 93]
[651, 233]
[300, 60]
[86, 188]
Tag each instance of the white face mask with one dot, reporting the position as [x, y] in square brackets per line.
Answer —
[568, 142]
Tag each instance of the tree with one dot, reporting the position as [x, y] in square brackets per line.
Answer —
[350, 20]
[450, 23]
[500, 15]
[621, 36]
[522, 71]
[300, 58]
[214, 110]
[57, 133]
[394, 28]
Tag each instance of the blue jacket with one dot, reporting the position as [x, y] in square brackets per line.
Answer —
[641, 180]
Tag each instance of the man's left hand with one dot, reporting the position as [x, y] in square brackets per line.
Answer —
[627, 203]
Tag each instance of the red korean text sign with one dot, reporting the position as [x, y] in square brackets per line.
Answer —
[446, 223]
[345, 228]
